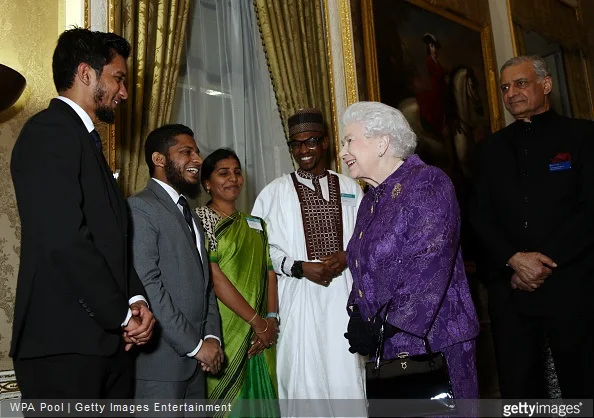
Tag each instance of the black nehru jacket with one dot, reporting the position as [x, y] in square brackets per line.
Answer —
[535, 192]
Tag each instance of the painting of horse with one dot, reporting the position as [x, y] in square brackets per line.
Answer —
[432, 69]
[465, 118]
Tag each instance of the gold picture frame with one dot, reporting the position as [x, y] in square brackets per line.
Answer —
[487, 46]
[430, 85]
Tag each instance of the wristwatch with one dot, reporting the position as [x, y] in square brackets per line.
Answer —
[274, 315]
[297, 269]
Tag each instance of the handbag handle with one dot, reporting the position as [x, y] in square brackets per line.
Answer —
[379, 352]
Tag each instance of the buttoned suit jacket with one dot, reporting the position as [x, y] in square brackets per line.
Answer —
[74, 277]
[177, 283]
[523, 204]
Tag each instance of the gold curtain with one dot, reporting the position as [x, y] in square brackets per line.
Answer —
[156, 30]
[295, 44]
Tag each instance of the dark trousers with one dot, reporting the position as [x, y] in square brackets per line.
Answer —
[76, 376]
[518, 341]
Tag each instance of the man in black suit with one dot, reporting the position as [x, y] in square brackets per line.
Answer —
[80, 305]
[534, 213]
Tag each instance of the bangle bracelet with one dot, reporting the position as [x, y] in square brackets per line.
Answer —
[265, 329]
[253, 317]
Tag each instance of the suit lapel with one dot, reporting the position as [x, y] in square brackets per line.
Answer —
[115, 198]
[200, 238]
[166, 200]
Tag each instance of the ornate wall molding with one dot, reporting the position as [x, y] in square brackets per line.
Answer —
[341, 59]
[346, 32]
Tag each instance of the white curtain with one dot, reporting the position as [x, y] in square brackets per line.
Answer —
[225, 94]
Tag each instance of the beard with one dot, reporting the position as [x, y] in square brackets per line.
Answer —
[176, 179]
[103, 112]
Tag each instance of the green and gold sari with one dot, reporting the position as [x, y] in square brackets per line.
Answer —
[239, 245]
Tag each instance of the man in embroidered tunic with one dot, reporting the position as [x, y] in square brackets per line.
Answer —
[310, 215]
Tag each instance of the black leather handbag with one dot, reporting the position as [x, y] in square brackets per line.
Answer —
[421, 381]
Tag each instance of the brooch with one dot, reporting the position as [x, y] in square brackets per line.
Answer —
[396, 190]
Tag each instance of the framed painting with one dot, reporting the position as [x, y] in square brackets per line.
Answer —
[439, 70]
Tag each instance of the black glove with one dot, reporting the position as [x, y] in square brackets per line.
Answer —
[364, 336]
[359, 334]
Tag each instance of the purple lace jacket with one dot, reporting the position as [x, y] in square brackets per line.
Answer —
[406, 248]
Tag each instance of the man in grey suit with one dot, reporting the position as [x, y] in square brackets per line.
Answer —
[171, 260]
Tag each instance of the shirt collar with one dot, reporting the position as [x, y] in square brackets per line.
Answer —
[170, 191]
[539, 119]
[80, 112]
[310, 176]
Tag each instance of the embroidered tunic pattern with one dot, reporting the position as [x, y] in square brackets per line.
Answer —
[322, 220]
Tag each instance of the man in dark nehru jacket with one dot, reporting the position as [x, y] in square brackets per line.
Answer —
[310, 215]
[534, 213]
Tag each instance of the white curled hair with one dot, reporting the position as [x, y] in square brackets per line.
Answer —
[377, 120]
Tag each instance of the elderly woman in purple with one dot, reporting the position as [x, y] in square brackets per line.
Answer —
[406, 247]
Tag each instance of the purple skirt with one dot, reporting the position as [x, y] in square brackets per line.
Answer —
[461, 360]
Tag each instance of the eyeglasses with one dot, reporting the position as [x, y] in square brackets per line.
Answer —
[310, 143]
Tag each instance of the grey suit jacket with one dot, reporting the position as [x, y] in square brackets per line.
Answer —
[177, 283]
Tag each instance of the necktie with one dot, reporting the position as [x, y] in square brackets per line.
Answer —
[96, 139]
[188, 215]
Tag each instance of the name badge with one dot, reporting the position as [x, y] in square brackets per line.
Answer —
[565, 165]
[254, 223]
[347, 199]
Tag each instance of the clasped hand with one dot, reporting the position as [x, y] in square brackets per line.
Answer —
[530, 270]
[140, 327]
[265, 335]
[323, 273]
[210, 355]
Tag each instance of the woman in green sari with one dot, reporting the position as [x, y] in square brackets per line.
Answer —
[245, 285]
